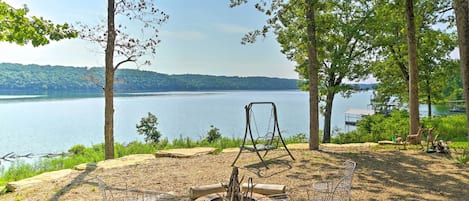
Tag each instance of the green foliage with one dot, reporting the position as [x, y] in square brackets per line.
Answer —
[213, 134]
[463, 157]
[79, 154]
[17, 171]
[342, 45]
[183, 142]
[449, 128]
[380, 127]
[350, 137]
[147, 127]
[435, 43]
[459, 145]
[134, 148]
[17, 27]
[77, 149]
[298, 138]
[37, 79]
[225, 142]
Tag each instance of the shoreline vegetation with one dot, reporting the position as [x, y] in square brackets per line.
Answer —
[40, 79]
[80, 154]
[450, 129]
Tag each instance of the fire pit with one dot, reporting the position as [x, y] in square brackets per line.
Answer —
[236, 192]
[223, 197]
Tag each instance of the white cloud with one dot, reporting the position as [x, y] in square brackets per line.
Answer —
[183, 35]
[233, 28]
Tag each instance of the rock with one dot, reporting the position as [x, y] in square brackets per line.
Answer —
[118, 162]
[37, 180]
[185, 153]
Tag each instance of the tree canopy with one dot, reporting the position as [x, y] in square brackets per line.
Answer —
[19, 28]
[41, 79]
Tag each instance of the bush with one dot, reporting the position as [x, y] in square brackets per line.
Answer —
[213, 134]
[147, 127]
[298, 138]
[451, 128]
[463, 157]
[378, 127]
[77, 149]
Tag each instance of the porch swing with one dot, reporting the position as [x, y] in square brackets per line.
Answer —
[262, 142]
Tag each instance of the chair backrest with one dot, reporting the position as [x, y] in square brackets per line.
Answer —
[419, 132]
[106, 191]
[349, 169]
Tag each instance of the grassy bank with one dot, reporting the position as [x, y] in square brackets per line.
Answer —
[80, 154]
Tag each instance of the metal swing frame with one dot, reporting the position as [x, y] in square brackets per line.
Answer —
[248, 129]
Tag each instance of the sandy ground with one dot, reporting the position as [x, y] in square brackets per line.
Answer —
[380, 175]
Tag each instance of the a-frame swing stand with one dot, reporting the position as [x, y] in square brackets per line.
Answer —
[267, 144]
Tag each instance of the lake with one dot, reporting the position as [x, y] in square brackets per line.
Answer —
[52, 124]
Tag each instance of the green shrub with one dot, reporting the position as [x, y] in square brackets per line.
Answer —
[463, 157]
[298, 138]
[78, 149]
[213, 134]
[225, 142]
[147, 127]
[182, 142]
[18, 170]
[378, 127]
[449, 128]
[458, 145]
[350, 137]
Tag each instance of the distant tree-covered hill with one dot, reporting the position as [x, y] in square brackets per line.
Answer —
[18, 77]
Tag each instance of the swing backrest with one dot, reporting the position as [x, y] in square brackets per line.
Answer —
[266, 141]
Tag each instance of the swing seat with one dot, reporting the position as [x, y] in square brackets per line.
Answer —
[263, 143]
[260, 147]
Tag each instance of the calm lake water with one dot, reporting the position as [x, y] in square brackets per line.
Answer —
[43, 124]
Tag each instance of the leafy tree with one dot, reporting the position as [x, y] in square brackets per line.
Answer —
[306, 10]
[147, 127]
[434, 46]
[17, 27]
[461, 8]
[121, 43]
[313, 77]
[213, 134]
[343, 53]
[413, 69]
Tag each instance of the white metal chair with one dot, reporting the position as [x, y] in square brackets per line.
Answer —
[121, 192]
[334, 187]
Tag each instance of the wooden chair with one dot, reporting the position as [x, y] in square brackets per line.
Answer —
[430, 139]
[415, 138]
[336, 188]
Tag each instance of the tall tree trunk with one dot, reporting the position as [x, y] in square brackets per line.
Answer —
[429, 103]
[413, 69]
[429, 98]
[313, 78]
[327, 117]
[461, 8]
[109, 85]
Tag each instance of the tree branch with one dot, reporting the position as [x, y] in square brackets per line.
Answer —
[129, 59]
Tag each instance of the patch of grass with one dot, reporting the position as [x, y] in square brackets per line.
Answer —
[458, 145]
[17, 171]
[463, 157]
[80, 154]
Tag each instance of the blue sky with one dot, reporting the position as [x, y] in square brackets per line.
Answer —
[201, 37]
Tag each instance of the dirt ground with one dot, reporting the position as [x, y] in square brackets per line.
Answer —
[379, 175]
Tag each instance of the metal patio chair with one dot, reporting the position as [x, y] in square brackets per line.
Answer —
[333, 187]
